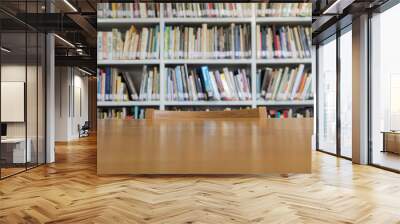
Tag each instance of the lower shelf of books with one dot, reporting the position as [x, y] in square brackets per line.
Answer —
[138, 112]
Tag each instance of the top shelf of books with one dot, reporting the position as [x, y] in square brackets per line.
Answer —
[149, 13]
[129, 21]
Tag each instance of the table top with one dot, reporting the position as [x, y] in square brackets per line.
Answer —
[233, 145]
[13, 140]
[391, 132]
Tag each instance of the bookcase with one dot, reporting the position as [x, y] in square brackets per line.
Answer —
[252, 63]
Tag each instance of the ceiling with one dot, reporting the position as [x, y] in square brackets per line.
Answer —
[75, 23]
[329, 16]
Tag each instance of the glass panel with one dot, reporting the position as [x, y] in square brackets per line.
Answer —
[385, 84]
[346, 94]
[31, 98]
[13, 87]
[41, 99]
[327, 97]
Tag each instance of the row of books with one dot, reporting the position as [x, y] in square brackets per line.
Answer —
[128, 10]
[284, 9]
[116, 85]
[284, 83]
[283, 41]
[195, 10]
[289, 113]
[207, 10]
[136, 112]
[133, 44]
[233, 41]
[203, 84]
[126, 113]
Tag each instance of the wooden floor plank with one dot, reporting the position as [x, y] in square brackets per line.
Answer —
[69, 191]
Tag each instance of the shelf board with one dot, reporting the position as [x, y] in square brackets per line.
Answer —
[285, 103]
[208, 103]
[284, 20]
[213, 20]
[285, 61]
[127, 21]
[207, 61]
[128, 62]
[127, 103]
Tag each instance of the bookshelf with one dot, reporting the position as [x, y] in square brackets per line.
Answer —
[253, 63]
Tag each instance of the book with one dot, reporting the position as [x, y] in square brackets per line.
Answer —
[204, 84]
[128, 10]
[288, 83]
[134, 44]
[125, 113]
[207, 41]
[283, 41]
[117, 85]
[290, 113]
[284, 9]
[211, 9]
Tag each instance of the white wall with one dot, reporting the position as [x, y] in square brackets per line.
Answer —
[71, 93]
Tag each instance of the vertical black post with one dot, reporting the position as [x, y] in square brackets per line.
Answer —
[37, 89]
[26, 86]
[369, 90]
[338, 76]
[316, 97]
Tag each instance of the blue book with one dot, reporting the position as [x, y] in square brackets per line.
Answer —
[136, 112]
[263, 40]
[207, 81]
[178, 76]
[98, 84]
[108, 84]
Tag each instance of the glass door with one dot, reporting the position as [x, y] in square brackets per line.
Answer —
[327, 96]
[385, 89]
[346, 93]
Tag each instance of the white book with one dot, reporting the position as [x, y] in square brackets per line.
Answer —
[231, 83]
[143, 11]
[299, 75]
[99, 45]
[143, 44]
[149, 86]
[216, 94]
[204, 40]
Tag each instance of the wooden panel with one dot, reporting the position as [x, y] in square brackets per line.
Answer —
[92, 105]
[204, 146]
[392, 143]
[260, 112]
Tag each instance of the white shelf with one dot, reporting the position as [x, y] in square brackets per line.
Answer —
[285, 103]
[285, 61]
[251, 62]
[284, 20]
[127, 21]
[128, 62]
[213, 20]
[204, 103]
[127, 103]
[207, 61]
[208, 103]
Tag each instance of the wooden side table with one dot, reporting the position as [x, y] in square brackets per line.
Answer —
[391, 141]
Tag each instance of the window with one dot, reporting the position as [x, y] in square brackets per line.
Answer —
[385, 89]
[327, 97]
[346, 93]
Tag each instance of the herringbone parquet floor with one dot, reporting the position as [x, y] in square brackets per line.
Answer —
[70, 192]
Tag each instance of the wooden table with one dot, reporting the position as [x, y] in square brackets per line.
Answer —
[391, 141]
[204, 146]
